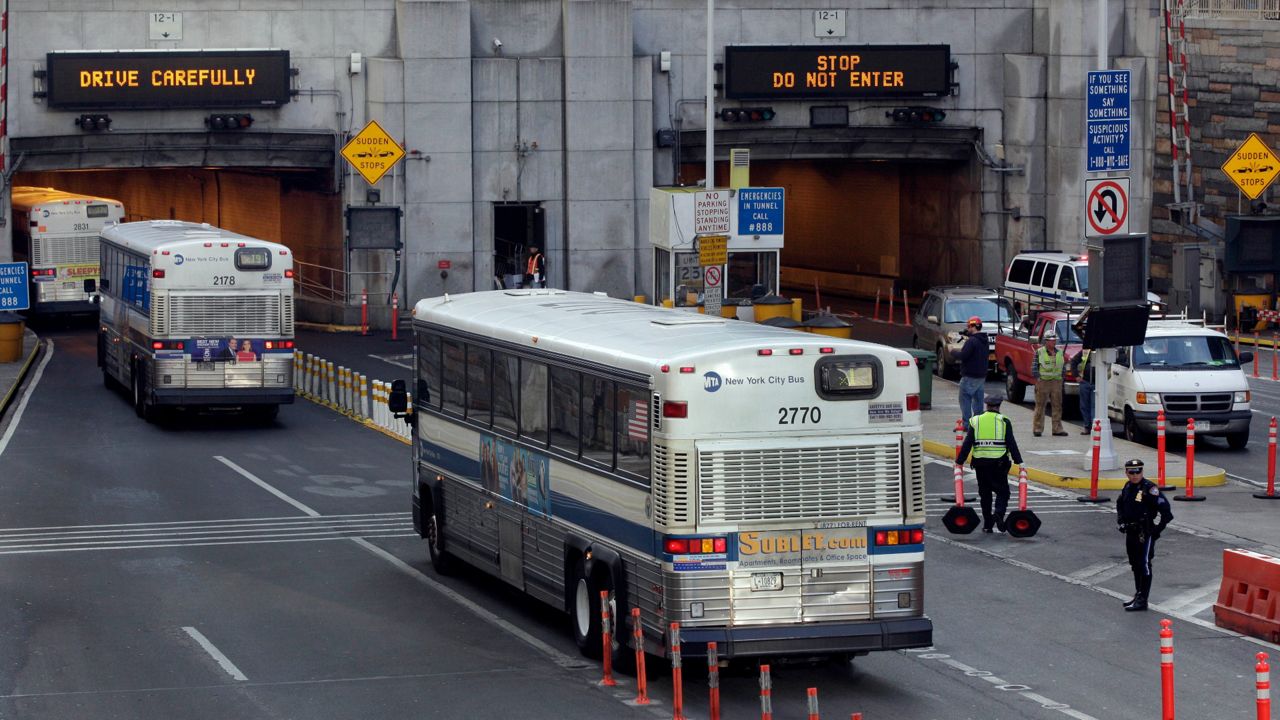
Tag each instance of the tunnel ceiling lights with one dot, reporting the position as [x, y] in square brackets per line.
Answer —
[228, 121]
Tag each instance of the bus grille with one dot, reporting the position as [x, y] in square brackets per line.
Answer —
[670, 486]
[225, 315]
[915, 481]
[805, 483]
[1204, 402]
[80, 249]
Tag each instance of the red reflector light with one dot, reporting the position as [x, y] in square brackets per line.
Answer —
[157, 345]
[284, 252]
[686, 369]
[157, 273]
[882, 537]
[208, 244]
[766, 352]
[826, 351]
[676, 546]
[913, 403]
[904, 363]
[164, 252]
[796, 351]
[223, 245]
[239, 244]
[288, 273]
[665, 368]
[675, 409]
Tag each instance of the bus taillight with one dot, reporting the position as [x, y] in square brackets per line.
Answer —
[45, 272]
[904, 536]
[913, 402]
[288, 273]
[675, 409]
[695, 546]
[168, 345]
[278, 344]
[766, 352]
[796, 351]
[157, 273]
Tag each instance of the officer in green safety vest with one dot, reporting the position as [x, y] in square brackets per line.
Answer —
[1047, 365]
[990, 437]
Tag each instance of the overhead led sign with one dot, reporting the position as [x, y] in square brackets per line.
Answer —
[836, 71]
[141, 79]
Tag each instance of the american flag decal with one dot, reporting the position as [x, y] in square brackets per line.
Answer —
[638, 421]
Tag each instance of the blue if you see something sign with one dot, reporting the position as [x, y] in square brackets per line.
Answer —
[1107, 120]
[14, 289]
[760, 211]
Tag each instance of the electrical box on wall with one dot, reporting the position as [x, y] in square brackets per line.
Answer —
[357, 63]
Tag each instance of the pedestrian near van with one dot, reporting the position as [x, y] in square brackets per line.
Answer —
[1142, 513]
[1082, 368]
[990, 437]
[1047, 365]
[535, 271]
[973, 369]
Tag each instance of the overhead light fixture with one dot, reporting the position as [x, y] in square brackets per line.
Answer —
[93, 122]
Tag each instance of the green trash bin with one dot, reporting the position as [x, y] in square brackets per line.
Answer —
[925, 362]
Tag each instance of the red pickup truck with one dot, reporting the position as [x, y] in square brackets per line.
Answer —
[1015, 346]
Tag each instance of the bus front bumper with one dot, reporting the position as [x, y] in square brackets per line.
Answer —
[809, 640]
[224, 397]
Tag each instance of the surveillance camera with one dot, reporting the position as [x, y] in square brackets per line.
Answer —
[497, 44]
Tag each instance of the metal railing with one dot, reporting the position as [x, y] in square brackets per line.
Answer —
[340, 286]
[1233, 9]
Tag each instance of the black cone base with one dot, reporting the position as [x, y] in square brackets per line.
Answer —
[961, 520]
[1022, 523]
[1190, 498]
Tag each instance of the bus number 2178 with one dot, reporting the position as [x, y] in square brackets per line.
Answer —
[799, 415]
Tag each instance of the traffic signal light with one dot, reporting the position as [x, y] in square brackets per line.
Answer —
[746, 114]
[93, 122]
[234, 121]
[917, 115]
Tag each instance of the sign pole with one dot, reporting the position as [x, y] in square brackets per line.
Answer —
[710, 168]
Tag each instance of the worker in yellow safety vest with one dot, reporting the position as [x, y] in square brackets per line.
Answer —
[1046, 367]
[990, 437]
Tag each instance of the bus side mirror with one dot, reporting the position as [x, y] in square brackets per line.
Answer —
[398, 400]
[90, 285]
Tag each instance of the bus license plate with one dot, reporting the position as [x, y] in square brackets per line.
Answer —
[766, 581]
[204, 367]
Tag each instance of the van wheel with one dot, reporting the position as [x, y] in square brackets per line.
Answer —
[1014, 388]
[1132, 432]
[1237, 441]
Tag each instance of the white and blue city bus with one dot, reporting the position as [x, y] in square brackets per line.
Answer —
[56, 234]
[196, 316]
[762, 487]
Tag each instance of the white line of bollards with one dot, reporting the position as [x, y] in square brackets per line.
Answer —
[351, 393]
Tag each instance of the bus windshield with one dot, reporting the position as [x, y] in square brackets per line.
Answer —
[1178, 353]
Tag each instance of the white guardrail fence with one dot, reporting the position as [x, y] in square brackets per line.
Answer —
[348, 392]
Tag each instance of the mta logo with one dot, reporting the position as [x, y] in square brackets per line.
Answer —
[711, 382]
[178, 259]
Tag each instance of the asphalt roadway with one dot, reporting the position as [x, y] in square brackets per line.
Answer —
[212, 568]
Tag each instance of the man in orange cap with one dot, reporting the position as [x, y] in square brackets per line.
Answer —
[973, 370]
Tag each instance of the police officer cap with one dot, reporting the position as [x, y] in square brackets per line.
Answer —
[993, 400]
[1134, 464]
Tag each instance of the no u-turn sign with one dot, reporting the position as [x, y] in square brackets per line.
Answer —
[1106, 207]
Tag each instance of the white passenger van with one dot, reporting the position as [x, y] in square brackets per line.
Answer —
[1053, 276]
[1189, 371]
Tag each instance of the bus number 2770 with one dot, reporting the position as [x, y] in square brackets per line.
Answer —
[799, 415]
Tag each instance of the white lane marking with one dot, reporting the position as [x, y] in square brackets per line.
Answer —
[557, 657]
[1094, 569]
[148, 546]
[211, 522]
[22, 404]
[1193, 598]
[403, 360]
[222, 660]
[1247, 481]
[203, 528]
[1004, 686]
[262, 484]
[1098, 589]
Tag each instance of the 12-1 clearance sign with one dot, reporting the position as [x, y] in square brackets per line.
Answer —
[836, 71]
[140, 79]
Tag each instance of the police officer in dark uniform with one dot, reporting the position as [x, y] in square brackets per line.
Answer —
[1137, 509]
[990, 436]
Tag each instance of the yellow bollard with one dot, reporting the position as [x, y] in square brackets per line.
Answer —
[797, 309]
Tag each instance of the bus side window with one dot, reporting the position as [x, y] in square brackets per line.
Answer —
[633, 430]
[565, 407]
[597, 420]
[453, 377]
[533, 402]
[429, 370]
[480, 385]
[506, 388]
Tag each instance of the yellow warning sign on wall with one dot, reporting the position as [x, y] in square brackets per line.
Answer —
[1252, 167]
[372, 152]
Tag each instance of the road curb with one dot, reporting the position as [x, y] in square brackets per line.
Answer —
[22, 374]
[1044, 477]
[325, 327]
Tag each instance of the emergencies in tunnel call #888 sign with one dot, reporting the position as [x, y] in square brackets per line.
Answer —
[1107, 207]
[1252, 167]
[372, 152]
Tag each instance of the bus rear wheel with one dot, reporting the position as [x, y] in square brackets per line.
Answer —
[585, 609]
[138, 388]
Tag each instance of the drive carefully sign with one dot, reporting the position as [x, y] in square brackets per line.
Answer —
[142, 79]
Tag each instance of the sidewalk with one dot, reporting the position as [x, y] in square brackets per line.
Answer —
[12, 373]
[1057, 461]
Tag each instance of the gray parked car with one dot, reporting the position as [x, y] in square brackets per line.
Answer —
[940, 322]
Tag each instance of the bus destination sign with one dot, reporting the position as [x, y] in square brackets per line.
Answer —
[150, 79]
[785, 72]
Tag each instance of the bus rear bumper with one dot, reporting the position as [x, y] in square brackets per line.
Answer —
[809, 640]
[224, 396]
[62, 307]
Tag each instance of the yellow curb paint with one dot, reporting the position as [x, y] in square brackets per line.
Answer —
[947, 452]
[22, 374]
[326, 327]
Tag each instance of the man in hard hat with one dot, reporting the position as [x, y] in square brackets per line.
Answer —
[1139, 505]
[973, 369]
[1047, 365]
[990, 436]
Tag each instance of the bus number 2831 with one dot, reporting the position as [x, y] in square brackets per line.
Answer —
[799, 415]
